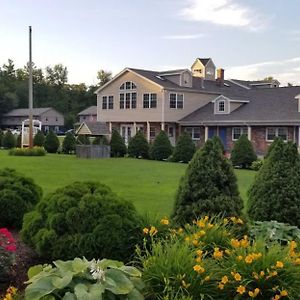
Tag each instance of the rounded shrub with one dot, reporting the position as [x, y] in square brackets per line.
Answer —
[18, 195]
[1, 137]
[35, 151]
[101, 140]
[138, 146]
[51, 142]
[209, 186]
[69, 143]
[184, 149]
[9, 141]
[117, 145]
[161, 148]
[83, 219]
[242, 152]
[39, 139]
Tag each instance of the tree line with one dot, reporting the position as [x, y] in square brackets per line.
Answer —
[50, 89]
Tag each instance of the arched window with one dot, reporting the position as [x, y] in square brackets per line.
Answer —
[128, 85]
[128, 95]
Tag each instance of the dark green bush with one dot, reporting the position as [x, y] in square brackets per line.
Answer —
[117, 145]
[161, 148]
[39, 139]
[275, 193]
[101, 140]
[218, 141]
[83, 140]
[18, 195]
[51, 142]
[1, 137]
[242, 153]
[9, 140]
[184, 149]
[19, 141]
[138, 146]
[35, 151]
[256, 165]
[69, 143]
[83, 219]
[209, 186]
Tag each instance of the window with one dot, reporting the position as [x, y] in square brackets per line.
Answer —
[194, 132]
[238, 131]
[104, 102]
[221, 106]
[176, 100]
[108, 102]
[149, 101]
[128, 85]
[171, 131]
[273, 132]
[128, 100]
[152, 132]
[111, 102]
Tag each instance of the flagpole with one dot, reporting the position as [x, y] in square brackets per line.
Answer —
[30, 92]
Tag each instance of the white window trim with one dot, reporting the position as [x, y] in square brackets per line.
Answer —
[176, 100]
[107, 102]
[149, 95]
[193, 133]
[128, 92]
[218, 104]
[276, 133]
[244, 130]
[131, 89]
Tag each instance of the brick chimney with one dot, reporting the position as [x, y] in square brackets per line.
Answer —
[220, 77]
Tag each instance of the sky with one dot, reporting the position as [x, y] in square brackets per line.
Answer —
[250, 39]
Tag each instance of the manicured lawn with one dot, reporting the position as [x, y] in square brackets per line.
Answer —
[150, 185]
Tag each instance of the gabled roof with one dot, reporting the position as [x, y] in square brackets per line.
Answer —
[92, 110]
[204, 61]
[23, 112]
[94, 128]
[276, 106]
[253, 83]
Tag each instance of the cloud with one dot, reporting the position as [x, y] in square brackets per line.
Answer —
[184, 36]
[294, 35]
[287, 70]
[223, 12]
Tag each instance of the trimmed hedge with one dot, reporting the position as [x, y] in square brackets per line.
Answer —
[35, 151]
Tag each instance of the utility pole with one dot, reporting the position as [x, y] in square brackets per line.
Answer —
[30, 93]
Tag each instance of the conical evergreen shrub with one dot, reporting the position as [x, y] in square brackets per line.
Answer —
[218, 141]
[209, 186]
[1, 137]
[51, 142]
[100, 140]
[83, 140]
[275, 193]
[69, 143]
[138, 146]
[117, 145]
[161, 148]
[184, 149]
[39, 139]
[9, 141]
[243, 153]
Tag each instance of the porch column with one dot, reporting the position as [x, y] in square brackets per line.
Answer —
[134, 129]
[148, 131]
[298, 137]
[162, 126]
[206, 134]
[110, 127]
[249, 133]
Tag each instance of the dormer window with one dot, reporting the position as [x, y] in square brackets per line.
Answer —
[128, 85]
[221, 106]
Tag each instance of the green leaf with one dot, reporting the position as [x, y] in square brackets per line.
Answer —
[48, 297]
[108, 263]
[64, 266]
[131, 271]
[79, 265]
[39, 289]
[122, 284]
[81, 292]
[135, 295]
[96, 291]
[69, 296]
[34, 271]
[61, 283]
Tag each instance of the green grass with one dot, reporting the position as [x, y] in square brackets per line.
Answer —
[150, 185]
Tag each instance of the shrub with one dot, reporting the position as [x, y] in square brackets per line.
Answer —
[69, 143]
[117, 145]
[83, 219]
[184, 149]
[35, 151]
[83, 140]
[216, 140]
[256, 165]
[161, 148]
[83, 279]
[9, 140]
[19, 141]
[209, 186]
[39, 139]
[18, 195]
[242, 153]
[101, 140]
[275, 193]
[1, 138]
[7, 249]
[51, 142]
[138, 146]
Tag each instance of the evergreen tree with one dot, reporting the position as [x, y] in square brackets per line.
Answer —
[138, 146]
[243, 153]
[51, 142]
[69, 143]
[39, 139]
[209, 186]
[19, 141]
[100, 140]
[184, 149]
[161, 148]
[83, 140]
[8, 140]
[271, 147]
[117, 145]
[275, 193]
[218, 141]
[1, 137]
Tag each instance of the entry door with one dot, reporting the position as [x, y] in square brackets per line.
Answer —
[222, 135]
[126, 131]
[171, 134]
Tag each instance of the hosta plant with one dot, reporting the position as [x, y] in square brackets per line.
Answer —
[80, 279]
